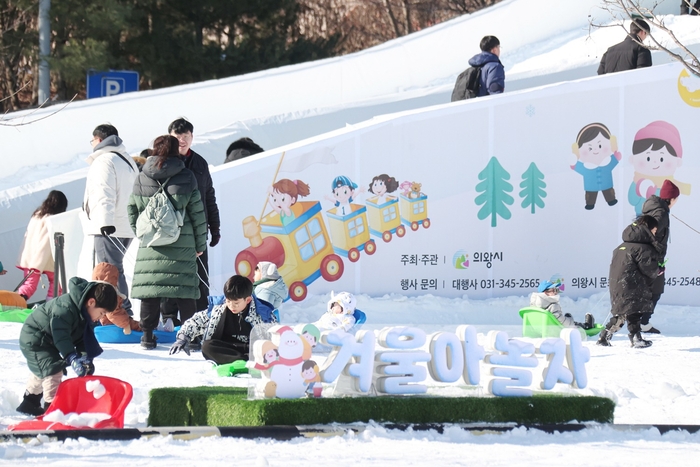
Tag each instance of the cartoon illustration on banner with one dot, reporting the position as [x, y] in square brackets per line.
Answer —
[295, 237]
[656, 154]
[596, 157]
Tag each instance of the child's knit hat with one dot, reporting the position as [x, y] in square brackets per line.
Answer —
[345, 299]
[268, 270]
[669, 190]
[663, 131]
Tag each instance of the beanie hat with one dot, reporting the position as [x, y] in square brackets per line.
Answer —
[268, 270]
[663, 131]
[669, 190]
[345, 299]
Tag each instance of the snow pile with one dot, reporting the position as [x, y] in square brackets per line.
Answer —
[90, 419]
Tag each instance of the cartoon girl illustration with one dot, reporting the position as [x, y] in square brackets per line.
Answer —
[381, 186]
[272, 355]
[343, 194]
[656, 154]
[283, 195]
[596, 153]
[266, 355]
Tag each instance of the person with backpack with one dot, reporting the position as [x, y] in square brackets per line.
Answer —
[108, 186]
[166, 261]
[486, 74]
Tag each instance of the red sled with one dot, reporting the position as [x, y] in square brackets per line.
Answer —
[73, 397]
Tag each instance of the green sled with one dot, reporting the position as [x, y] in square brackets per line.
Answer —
[14, 316]
[541, 323]
[231, 369]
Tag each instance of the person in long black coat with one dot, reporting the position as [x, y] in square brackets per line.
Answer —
[659, 207]
[634, 267]
[628, 54]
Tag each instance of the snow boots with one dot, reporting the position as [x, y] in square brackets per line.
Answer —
[637, 342]
[604, 338]
[31, 405]
[589, 322]
[648, 328]
[148, 340]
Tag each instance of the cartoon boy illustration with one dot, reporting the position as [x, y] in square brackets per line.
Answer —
[311, 334]
[283, 195]
[656, 154]
[312, 378]
[343, 194]
[596, 153]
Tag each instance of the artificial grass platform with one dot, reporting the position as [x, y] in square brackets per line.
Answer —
[225, 406]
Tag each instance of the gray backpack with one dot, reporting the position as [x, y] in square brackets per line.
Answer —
[159, 223]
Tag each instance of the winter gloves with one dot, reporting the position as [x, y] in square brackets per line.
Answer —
[81, 364]
[107, 230]
[180, 344]
[215, 237]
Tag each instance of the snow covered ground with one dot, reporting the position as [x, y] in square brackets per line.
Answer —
[658, 385]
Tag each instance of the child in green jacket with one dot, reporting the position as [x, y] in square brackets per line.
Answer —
[60, 333]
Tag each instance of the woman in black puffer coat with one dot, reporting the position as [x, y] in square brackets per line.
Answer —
[634, 267]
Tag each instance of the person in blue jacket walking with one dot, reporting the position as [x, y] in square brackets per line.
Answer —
[493, 75]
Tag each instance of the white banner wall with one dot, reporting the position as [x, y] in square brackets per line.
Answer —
[482, 199]
[487, 200]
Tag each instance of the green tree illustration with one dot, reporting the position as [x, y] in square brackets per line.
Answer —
[494, 192]
[533, 186]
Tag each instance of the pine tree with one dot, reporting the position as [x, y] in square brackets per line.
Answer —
[533, 186]
[494, 191]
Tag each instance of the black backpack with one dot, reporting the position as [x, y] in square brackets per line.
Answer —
[468, 84]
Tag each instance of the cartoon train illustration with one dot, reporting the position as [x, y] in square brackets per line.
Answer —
[414, 210]
[350, 232]
[293, 234]
[384, 217]
[301, 249]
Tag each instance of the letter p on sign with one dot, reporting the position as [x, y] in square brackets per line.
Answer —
[113, 86]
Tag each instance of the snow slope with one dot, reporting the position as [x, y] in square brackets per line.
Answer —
[553, 44]
[544, 41]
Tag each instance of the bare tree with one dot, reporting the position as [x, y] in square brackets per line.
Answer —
[361, 24]
[17, 42]
[662, 37]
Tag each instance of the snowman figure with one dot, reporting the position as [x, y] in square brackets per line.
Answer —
[286, 379]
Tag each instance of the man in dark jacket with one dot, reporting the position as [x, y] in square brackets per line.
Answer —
[629, 54]
[58, 334]
[183, 131]
[493, 75]
[634, 267]
[242, 147]
[688, 7]
[659, 207]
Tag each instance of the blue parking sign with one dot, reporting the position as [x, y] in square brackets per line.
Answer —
[111, 83]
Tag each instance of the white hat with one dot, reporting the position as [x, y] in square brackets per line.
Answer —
[268, 270]
[345, 299]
